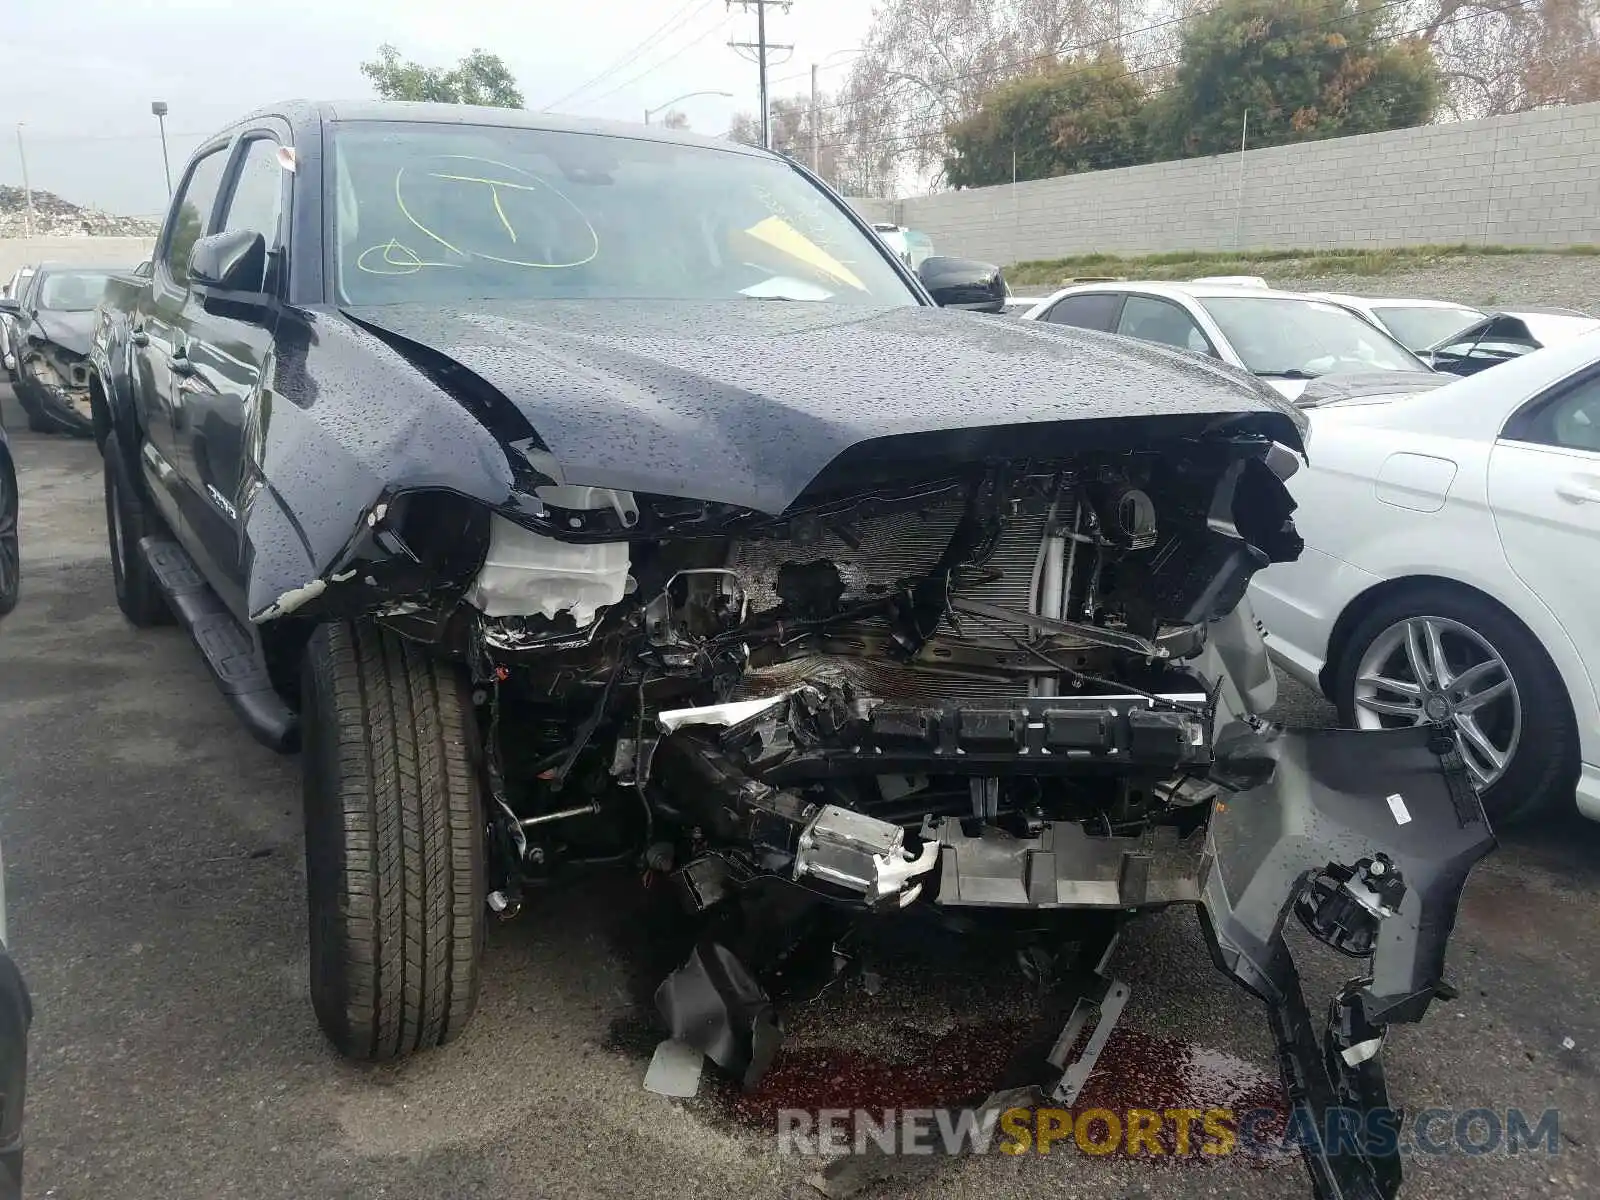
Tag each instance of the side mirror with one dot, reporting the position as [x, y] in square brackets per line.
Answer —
[10, 307]
[964, 283]
[229, 262]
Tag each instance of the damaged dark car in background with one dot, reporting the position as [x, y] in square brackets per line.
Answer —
[51, 320]
[574, 494]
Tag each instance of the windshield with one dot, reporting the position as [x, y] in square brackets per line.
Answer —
[447, 213]
[1420, 328]
[1281, 335]
[72, 291]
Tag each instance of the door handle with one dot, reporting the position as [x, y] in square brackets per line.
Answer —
[139, 338]
[180, 361]
[1578, 491]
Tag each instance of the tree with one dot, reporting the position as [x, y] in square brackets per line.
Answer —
[1081, 115]
[479, 78]
[675, 120]
[929, 64]
[852, 168]
[1303, 68]
[1496, 57]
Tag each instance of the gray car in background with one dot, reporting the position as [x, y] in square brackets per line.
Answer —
[11, 289]
[50, 324]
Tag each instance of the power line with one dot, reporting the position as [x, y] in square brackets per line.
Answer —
[822, 66]
[676, 54]
[906, 139]
[672, 24]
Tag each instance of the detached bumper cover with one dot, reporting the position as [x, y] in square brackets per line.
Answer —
[1367, 836]
[1339, 798]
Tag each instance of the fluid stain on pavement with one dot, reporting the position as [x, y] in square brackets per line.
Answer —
[1136, 1071]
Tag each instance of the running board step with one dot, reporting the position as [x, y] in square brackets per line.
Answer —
[229, 649]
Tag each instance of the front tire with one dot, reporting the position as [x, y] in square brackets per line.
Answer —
[127, 520]
[395, 873]
[1433, 653]
[38, 421]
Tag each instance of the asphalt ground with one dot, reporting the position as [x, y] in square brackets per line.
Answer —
[156, 903]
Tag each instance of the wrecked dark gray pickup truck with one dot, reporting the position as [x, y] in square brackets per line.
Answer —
[577, 494]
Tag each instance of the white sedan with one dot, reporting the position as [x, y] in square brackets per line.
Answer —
[1285, 338]
[1452, 572]
[1418, 325]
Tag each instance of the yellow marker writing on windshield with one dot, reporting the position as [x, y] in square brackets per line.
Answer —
[495, 185]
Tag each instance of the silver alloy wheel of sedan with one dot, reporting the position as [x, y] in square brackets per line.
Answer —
[1432, 669]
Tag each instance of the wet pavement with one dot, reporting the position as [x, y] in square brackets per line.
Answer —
[155, 897]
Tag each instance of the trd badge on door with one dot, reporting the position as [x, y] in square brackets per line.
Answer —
[221, 502]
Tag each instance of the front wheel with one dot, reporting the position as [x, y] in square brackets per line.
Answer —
[395, 873]
[38, 421]
[1437, 655]
[127, 520]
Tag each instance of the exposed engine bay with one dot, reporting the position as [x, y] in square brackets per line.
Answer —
[60, 377]
[1015, 645]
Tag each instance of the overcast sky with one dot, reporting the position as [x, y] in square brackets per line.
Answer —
[80, 74]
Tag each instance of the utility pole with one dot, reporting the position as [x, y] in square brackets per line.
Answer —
[816, 144]
[27, 192]
[761, 47]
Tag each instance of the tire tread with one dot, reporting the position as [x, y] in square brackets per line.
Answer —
[396, 901]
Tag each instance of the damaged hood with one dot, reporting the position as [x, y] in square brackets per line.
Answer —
[69, 330]
[746, 402]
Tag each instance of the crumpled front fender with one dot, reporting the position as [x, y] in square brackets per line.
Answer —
[347, 422]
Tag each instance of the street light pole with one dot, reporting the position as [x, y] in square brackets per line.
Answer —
[650, 112]
[159, 108]
[27, 192]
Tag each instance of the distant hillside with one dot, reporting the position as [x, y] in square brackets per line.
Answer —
[55, 217]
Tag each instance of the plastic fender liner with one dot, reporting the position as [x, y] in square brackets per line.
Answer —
[1311, 806]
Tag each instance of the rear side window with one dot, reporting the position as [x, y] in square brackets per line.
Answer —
[1154, 320]
[1092, 310]
[1569, 420]
[196, 199]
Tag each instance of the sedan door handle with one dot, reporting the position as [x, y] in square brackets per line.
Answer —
[139, 338]
[180, 361]
[1579, 491]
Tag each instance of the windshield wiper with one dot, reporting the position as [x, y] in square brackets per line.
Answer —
[1292, 373]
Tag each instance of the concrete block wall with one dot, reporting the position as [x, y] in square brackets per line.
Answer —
[91, 251]
[872, 208]
[1529, 179]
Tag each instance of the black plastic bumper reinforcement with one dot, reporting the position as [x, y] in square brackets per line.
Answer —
[1058, 735]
